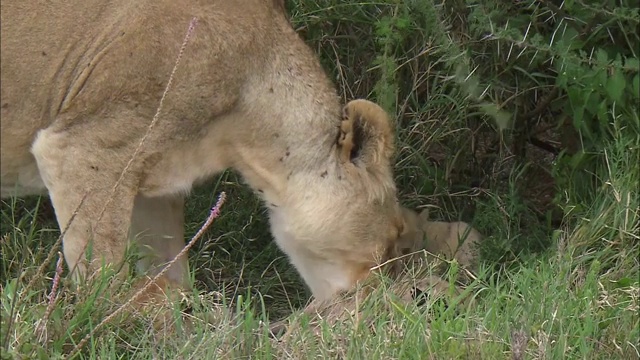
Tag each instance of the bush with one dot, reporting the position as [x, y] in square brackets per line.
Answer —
[520, 97]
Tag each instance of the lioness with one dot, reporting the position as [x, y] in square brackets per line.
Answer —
[81, 82]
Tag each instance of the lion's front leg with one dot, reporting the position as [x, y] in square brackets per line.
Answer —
[76, 167]
[76, 170]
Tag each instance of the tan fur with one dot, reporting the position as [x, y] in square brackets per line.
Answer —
[81, 81]
[446, 239]
[409, 268]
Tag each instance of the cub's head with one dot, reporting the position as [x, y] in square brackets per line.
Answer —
[412, 238]
[447, 240]
[343, 216]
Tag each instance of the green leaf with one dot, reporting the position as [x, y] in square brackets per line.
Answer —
[632, 64]
[636, 86]
[592, 101]
[604, 324]
[622, 283]
[561, 79]
[602, 57]
[402, 23]
[577, 105]
[576, 159]
[568, 4]
[569, 35]
[601, 76]
[615, 85]
[603, 114]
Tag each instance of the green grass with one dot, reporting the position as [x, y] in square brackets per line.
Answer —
[560, 272]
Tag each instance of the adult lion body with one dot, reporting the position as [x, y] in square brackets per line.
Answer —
[81, 82]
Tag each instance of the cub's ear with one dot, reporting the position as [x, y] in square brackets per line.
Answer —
[409, 219]
[366, 136]
[424, 216]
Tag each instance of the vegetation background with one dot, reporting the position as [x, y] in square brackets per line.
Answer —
[519, 117]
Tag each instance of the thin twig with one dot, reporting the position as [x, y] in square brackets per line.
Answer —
[215, 212]
[42, 266]
[53, 251]
[192, 26]
[41, 329]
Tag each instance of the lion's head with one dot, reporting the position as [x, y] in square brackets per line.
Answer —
[347, 215]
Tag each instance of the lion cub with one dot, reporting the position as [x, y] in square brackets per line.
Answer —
[446, 239]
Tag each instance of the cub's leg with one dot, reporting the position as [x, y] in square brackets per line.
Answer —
[157, 224]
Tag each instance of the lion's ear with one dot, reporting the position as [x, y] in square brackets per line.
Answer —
[280, 5]
[366, 136]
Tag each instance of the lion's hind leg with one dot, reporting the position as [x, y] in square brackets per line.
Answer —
[157, 226]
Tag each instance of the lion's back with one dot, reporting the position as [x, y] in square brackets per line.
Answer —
[63, 60]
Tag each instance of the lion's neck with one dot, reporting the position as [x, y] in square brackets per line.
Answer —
[280, 164]
[289, 127]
